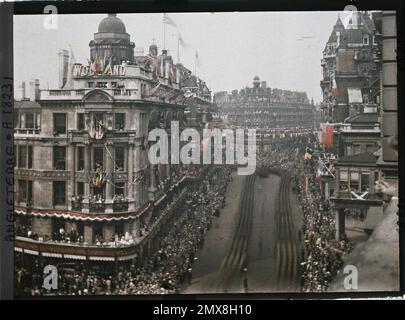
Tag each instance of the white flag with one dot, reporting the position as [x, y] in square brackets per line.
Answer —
[181, 42]
[168, 20]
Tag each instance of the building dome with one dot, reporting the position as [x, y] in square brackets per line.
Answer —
[111, 24]
[153, 49]
[256, 82]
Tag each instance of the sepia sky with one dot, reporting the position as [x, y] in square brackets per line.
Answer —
[283, 48]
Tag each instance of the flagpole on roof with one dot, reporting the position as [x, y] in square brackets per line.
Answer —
[195, 63]
[164, 31]
[178, 47]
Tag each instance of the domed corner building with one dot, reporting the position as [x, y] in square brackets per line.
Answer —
[112, 40]
[85, 190]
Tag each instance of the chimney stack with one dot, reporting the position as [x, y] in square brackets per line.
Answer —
[34, 90]
[63, 67]
[23, 96]
[20, 93]
[264, 84]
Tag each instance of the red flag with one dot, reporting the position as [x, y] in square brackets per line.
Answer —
[335, 89]
[328, 136]
[97, 65]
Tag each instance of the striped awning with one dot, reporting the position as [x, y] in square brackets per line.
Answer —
[74, 257]
[33, 252]
[130, 257]
[95, 258]
[51, 255]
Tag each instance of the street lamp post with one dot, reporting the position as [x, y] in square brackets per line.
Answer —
[245, 280]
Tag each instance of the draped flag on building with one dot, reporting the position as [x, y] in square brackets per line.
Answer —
[92, 65]
[322, 169]
[327, 136]
[97, 65]
[153, 62]
[335, 89]
[96, 132]
[99, 179]
[153, 91]
[173, 74]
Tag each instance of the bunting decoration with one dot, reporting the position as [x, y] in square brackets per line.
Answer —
[335, 89]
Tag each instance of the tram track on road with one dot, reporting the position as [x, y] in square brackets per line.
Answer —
[230, 275]
[287, 240]
[236, 257]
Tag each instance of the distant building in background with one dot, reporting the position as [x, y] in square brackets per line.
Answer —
[262, 107]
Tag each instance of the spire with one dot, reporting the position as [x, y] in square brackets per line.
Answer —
[339, 24]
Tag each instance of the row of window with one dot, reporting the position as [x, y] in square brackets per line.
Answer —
[356, 178]
[60, 123]
[366, 40]
[25, 157]
[355, 149]
[25, 191]
[99, 157]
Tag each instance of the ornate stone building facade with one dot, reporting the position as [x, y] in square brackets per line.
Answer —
[81, 150]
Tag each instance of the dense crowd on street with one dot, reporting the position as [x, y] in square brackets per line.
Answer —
[322, 254]
[165, 270]
[169, 266]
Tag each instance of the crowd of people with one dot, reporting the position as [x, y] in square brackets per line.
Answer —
[322, 254]
[166, 269]
[169, 265]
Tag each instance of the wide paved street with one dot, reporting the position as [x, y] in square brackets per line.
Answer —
[256, 231]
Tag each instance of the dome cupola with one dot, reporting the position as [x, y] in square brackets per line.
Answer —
[111, 24]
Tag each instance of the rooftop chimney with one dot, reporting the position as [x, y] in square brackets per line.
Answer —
[21, 95]
[33, 93]
[63, 67]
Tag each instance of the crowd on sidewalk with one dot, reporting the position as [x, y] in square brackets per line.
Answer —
[165, 270]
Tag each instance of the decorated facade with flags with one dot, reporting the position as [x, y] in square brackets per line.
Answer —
[350, 63]
[91, 169]
[262, 107]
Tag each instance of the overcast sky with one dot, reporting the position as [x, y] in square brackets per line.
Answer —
[283, 48]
